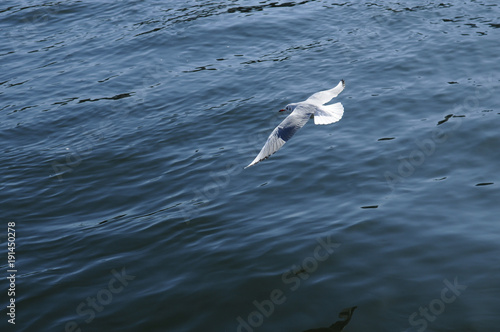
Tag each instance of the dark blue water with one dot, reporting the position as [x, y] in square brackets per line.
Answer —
[125, 127]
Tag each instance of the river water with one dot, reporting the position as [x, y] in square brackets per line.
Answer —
[125, 127]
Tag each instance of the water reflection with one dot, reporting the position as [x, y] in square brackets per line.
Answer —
[339, 325]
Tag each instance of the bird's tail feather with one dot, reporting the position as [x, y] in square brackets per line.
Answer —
[327, 114]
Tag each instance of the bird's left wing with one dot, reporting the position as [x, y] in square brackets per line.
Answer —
[323, 97]
[284, 131]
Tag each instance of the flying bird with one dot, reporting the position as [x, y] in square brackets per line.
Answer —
[301, 112]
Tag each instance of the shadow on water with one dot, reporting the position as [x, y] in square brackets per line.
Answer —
[338, 326]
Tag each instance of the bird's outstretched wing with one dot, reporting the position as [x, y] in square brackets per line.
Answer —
[323, 97]
[327, 114]
[284, 131]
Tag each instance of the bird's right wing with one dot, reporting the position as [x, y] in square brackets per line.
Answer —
[284, 131]
[323, 97]
[274, 143]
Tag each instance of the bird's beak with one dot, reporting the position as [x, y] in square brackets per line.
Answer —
[282, 110]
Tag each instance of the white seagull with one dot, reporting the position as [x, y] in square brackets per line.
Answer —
[301, 112]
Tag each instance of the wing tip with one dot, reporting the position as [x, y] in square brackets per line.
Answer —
[255, 162]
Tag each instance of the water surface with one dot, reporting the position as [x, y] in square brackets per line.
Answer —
[126, 126]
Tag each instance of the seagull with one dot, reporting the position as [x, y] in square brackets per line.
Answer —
[301, 112]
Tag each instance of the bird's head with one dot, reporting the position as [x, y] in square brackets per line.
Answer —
[289, 107]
